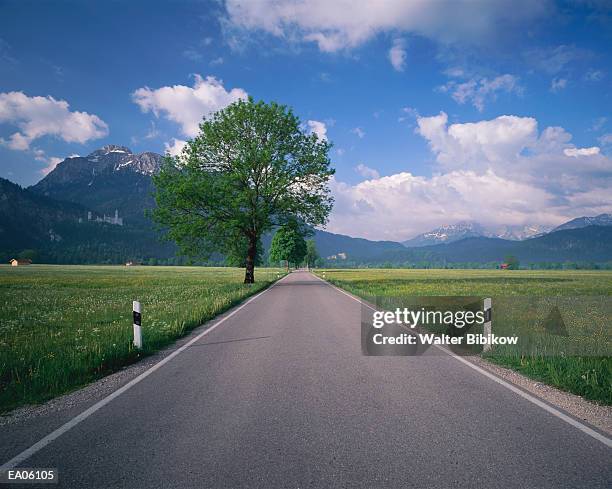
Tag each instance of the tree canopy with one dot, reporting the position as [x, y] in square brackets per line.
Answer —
[236, 253]
[512, 262]
[252, 167]
[312, 255]
[288, 244]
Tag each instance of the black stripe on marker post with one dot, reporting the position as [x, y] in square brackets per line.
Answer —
[486, 329]
[137, 323]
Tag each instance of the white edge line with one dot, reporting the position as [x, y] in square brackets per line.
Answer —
[28, 452]
[534, 400]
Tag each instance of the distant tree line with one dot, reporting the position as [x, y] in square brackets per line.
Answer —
[110, 254]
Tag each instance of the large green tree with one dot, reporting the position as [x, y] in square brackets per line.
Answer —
[235, 255]
[288, 244]
[312, 255]
[252, 167]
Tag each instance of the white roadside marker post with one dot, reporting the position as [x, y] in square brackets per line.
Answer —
[137, 323]
[487, 324]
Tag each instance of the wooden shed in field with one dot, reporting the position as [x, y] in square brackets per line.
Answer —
[16, 262]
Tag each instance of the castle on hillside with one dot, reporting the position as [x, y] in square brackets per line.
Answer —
[116, 220]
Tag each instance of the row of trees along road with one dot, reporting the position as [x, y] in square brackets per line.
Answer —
[289, 245]
[252, 167]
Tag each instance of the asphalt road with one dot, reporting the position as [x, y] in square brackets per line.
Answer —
[279, 395]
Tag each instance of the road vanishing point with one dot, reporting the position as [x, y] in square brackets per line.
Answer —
[278, 394]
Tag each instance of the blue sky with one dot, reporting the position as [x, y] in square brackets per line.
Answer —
[414, 96]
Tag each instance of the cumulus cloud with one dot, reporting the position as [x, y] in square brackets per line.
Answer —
[329, 26]
[367, 172]
[594, 150]
[503, 171]
[36, 117]
[187, 105]
[513, 147]
[397, 54]
[52, 162]
[477, 91]
[319, 128]
[402, 205]
[175, 146]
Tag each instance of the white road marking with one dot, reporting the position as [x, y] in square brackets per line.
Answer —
[534, 400]
[27, 453]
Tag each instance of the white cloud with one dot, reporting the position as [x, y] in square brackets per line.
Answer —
[344, 24]
[397, 54]
[319, 128]
[402, 205]
[360, 133]
[477, 91]
[52, 162]
[558, 84]
[512, 147]
[36, 117]
[187, 105]
[366, 171]
[581, 151]
[175, 146]
[502, 171]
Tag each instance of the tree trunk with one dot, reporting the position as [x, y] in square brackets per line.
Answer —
[249, 274]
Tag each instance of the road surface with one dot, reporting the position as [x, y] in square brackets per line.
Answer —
[279, 395]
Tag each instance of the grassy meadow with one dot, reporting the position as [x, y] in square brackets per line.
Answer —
[64, 326]
[522, 302]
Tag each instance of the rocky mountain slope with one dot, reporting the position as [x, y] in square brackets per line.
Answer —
[581, 222]
[111, 178]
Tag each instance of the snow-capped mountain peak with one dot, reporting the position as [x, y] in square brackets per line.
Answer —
[581, 222]
[449, 233]
[121, 158]
[110, 148]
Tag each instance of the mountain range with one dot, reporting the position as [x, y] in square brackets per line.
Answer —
[582, 222]
[469, 229]
[67, 218]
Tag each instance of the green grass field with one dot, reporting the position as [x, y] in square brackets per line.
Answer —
[579, 363]
[64, 326]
